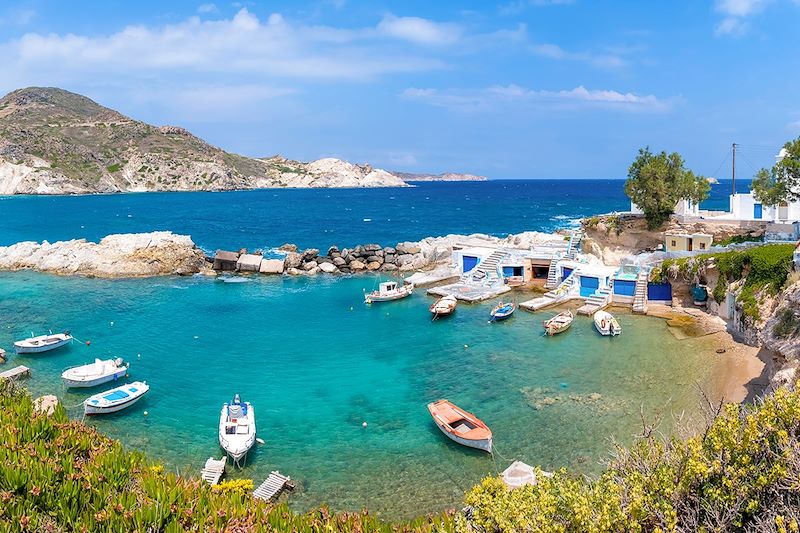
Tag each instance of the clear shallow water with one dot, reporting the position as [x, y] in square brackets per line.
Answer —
[316, 363]
[321, 217]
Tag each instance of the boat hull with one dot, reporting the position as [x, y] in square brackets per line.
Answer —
[72, 383]
[606, 324]
[372, 298]
[480, 444]
[237, 446]
[20, 347]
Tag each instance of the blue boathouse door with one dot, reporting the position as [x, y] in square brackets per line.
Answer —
[469, 262]
[757, 211]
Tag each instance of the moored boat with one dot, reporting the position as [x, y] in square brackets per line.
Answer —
[115, 399]
[388, 291]
[443, 306]
[561, 322]
[461, 426]
[43, 343]
[606, 324]
[502, 311]
[237, 428]
[95, 373]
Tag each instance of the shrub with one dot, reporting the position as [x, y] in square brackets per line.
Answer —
[739, 474]
[114, 168]
[788, 324]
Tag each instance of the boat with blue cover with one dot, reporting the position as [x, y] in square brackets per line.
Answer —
[502, 311]
[237, 428]
[115, 399]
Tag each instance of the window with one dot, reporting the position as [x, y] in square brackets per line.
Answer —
[674, 243]
[702, 246]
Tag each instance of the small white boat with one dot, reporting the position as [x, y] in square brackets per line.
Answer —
[606, 324]
[43, 343]
[237, 428]
[561, 322]
[388, 291]
[89, 375]
[443, 306]
[115, 399]
[461, 426]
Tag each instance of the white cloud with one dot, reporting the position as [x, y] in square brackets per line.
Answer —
[419, 30]
[553, 51]
[735, 14]
[491, 98]
[207, 8]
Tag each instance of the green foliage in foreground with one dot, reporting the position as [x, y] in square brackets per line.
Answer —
[782, 182]
[59, 475]
[763, 268]
[741, 474]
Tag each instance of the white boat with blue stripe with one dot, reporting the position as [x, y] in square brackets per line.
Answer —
[115, 399]
[237, 429]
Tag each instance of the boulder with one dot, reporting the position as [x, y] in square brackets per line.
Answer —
[293, 260]
[310, 253]
[45, 405]
[374, 259]
[389, 267]
[248, 263]
[358, 250]
[339, 262]
[357, 265]
[333, 250]
[344, 270]
[373, 265]
[408, 248]
[323, 259]
[404, 259]
[389, 250]
[313, 271]
[349, 258]
[309, 265]
[271, 266]
[328, 268]
[287, 247]
[389, 258]
[373, 247]
[292, 271]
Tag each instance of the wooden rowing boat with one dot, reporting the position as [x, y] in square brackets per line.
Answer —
[461, 426]
[502, 311]
[561, 322]
[443, 306]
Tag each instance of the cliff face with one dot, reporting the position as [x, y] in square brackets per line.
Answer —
[447, 176]
[56, 142]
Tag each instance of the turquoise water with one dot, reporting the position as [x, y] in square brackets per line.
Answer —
[316, 363]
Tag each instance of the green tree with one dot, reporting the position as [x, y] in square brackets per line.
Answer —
[657, 182]
[782, 182]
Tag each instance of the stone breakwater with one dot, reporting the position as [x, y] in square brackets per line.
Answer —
[403, 257]
[115, 256]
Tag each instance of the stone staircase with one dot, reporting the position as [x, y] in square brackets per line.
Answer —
[600, 299]
[486, 271]
[574, 245]
[640, 294]
[552, 277]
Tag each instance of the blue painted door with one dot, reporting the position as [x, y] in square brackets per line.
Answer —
[624, 287]
[659, 291]
[758, 211]
[469, 262]
[566, 272]
[589, 285]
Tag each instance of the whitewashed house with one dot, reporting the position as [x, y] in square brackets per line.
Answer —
[683, 207]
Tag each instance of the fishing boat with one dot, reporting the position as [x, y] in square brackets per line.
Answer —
[606, 324]
[95, 373]
[388, 291]
[561, 322]
[115, 399]
[502, 311]
[237, 428]
[443, 306]
[43, 343]
[461, 426]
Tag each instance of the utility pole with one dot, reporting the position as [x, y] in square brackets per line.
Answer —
[733, 170]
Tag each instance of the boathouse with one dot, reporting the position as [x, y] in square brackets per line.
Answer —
[625, 283]
[687, 242]
[224, 260]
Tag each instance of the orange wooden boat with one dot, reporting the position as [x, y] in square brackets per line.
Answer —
[461, 426]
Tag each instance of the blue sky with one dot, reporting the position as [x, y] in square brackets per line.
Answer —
[515, 89]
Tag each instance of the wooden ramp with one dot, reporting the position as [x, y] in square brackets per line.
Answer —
[16, 372]
[272, 486]
[214, 470]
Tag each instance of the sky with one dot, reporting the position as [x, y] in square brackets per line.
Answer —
[509, 89]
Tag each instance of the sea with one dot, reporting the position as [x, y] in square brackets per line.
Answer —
[340, 388]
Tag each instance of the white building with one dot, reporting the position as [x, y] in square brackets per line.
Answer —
[683, 207]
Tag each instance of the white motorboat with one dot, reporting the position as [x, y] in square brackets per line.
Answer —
[43, 343]
[89, 375]
[237, 428]
[606, 324]
[115, 399]
[388, 291]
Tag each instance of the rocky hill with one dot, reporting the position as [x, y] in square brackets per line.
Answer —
[447, 176]
[56, 142]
